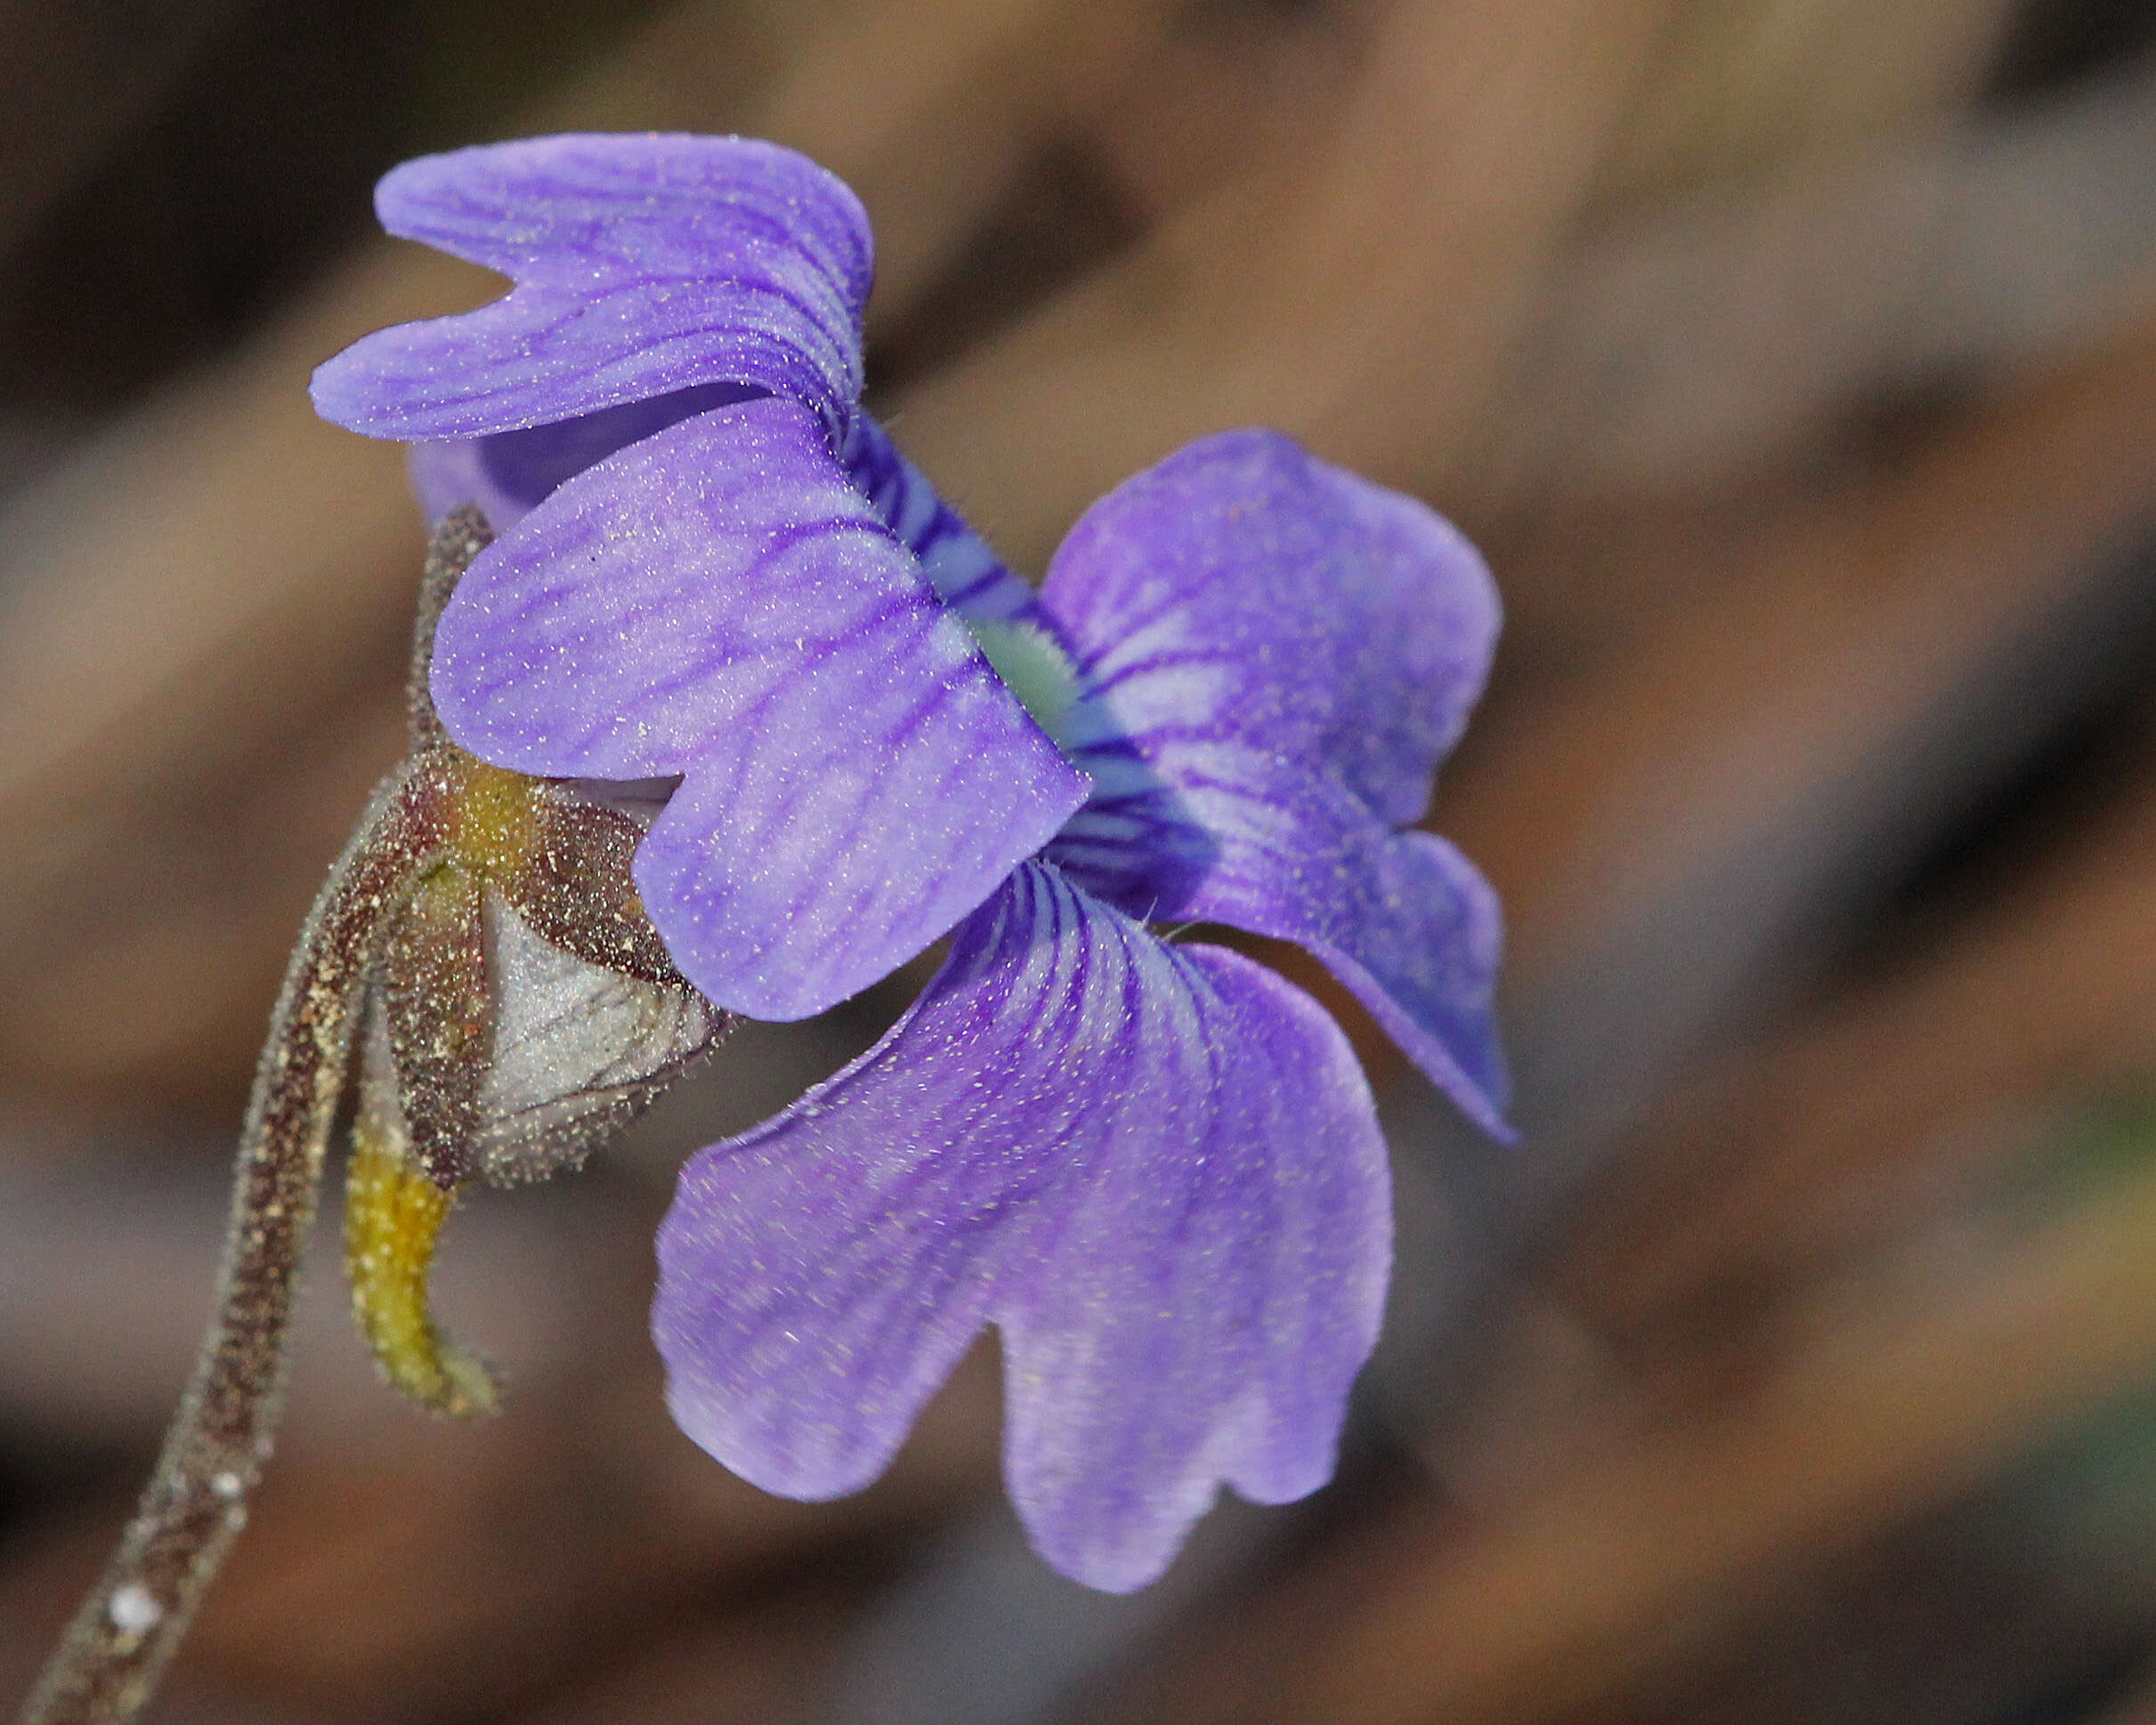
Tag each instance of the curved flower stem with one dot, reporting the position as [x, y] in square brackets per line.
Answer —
[109, 1662]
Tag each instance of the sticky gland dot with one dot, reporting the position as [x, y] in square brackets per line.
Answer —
[133, 1609]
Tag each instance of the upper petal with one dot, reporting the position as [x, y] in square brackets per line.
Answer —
[1155, 1168]
[1243, 590]
[717, 602]
[643, 265]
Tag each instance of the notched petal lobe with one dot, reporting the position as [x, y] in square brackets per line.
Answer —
[1157, 1169]
[643, 265]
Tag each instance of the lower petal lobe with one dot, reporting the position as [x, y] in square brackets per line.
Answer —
[1155, 1168]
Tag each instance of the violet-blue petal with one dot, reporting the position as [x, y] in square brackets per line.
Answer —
[510, 472]
[1403, 919]
[717, 602]
[1274, 654]
[1352, 626]
[1155, 1168]
[965, 573]
[448, 475]
[643, 265]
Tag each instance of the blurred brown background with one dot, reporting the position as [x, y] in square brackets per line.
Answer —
[1796, 362]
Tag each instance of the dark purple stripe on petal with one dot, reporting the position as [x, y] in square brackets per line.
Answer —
[966, 575]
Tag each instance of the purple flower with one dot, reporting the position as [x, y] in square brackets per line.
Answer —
[1153, 1164]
